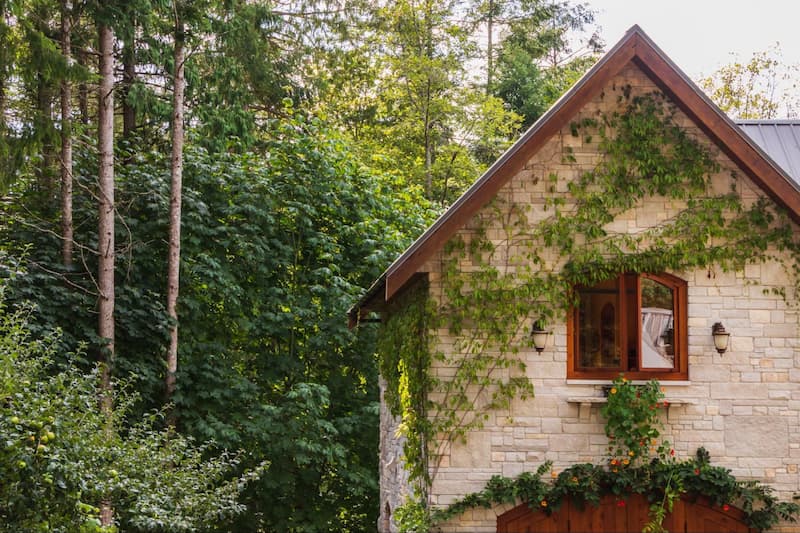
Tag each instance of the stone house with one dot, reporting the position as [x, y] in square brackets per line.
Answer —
[742, 405]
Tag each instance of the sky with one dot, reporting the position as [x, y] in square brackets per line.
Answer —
[700, 35]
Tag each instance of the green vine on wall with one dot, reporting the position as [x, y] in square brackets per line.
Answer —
[513, 265]
[639, 461]
[405, 349]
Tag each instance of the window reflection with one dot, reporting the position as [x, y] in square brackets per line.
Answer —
[599, 326]
[657, 348]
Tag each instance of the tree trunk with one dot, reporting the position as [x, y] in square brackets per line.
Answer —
[173, 261]
[5, 54]
[105, 237]
[66, 139]
[489, 62]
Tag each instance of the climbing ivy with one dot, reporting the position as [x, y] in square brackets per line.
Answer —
[588, 483]
[405, 348]
[638, 461]
[513, 266]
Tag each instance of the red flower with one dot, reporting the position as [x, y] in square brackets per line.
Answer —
[621, 503]
[726, 507]
[672, 451]
[696, 471]
[666, 403]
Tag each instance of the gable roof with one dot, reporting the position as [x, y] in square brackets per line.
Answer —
[637, 47]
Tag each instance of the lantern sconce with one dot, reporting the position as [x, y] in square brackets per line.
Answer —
[539, 336]
[721, 337]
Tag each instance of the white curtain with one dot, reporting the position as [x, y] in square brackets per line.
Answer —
[655, 322]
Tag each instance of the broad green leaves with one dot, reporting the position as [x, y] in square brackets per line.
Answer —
[57, 460]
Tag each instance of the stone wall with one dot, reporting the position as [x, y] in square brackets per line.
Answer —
[394, 486]
[742, 406]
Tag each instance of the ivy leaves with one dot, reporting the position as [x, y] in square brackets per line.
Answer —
[633, 425]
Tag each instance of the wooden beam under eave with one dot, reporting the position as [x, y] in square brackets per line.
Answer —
[726, 135]
[537, 136]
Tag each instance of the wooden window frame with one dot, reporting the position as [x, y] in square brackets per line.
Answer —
[680, 326]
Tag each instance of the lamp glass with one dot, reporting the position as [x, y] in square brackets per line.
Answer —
[721, 340]
[721, 337]
[539, 339]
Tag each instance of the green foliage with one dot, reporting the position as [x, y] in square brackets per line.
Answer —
[761, 88]
[404, 350]
[633, 424]
[535, 61]
[413, 517]
[658, 481]
[661, 479]
[633, 427]
[59, 457]
[276, 247]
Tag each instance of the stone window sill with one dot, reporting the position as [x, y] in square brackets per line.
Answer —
[601, 399]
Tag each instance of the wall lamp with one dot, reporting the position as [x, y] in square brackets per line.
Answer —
[721, 337]
[539, 336]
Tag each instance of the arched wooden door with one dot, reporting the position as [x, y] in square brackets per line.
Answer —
[615, 515]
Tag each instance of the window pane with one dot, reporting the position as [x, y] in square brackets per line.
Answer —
[658, 349]
[598, 319]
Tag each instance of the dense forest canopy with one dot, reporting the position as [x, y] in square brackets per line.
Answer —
[193, 194]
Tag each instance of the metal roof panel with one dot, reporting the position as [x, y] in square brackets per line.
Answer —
[780, 139]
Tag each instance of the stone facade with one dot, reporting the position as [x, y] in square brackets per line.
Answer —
[742, 406]
[394, 486]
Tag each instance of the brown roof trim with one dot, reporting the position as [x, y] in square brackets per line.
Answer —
[634, 46]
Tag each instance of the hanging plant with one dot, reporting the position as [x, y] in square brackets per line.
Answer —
[638, 462]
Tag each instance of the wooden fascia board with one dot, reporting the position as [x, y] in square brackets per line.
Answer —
[399, 273]
[722, 131]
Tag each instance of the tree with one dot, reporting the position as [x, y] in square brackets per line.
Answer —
[106, 251]
[58, 464]
[6, 64]
[764, 87]
[66, 138]
[537, 61]
[426, 50]
[295, 190]
[176, 187]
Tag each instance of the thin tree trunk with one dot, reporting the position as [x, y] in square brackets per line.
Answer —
[173, 261]
[5, 53]
[489, 62]
[105, 237]
[66, 139]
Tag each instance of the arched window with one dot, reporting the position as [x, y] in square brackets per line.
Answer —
[634, 324]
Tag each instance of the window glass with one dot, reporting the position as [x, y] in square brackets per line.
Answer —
[634, 324]
[599, 335]
[658, 332]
